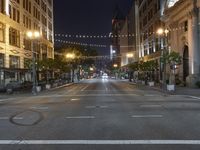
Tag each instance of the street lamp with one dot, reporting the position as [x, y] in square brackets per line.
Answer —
[71, 56]
[129, 57]
[115, 65]
[33, 35]
[163, 33]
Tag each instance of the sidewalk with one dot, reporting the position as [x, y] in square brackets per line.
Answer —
[28, 92]
[178, 90]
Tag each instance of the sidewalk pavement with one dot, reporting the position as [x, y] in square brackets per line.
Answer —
[178, 90]
[28, 93]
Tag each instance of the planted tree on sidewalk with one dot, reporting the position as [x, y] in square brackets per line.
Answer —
[173, 59]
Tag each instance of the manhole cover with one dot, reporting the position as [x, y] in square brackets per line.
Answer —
[26, 118]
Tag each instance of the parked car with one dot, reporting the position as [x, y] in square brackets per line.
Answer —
[14, 86]
[2, 88]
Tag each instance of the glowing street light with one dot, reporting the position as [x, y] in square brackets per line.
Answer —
[129, 55]
[162, 31]
[91, 69]
[115, 65]
[70, 55]
[33, 35]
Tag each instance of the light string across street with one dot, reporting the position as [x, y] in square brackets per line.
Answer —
[110, 35]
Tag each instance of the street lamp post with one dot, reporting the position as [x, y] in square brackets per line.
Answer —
[33, 35]
[71, 56]
[163, 33]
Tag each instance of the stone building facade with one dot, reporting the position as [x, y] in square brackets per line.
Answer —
[182, 19]
[16, 18]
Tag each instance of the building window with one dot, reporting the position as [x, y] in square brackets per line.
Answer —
[185, 26]
[50, 2]
[14, 61]
[1, 60]
[1, 6]
[37, 1]
[50, 52]
[17, 1]
[14, 13]
[27, 5]
[44, 51]
[50, 26]
[44, 6]
[36, 13]
[44, 20]
[27, 44]
[2, 32]
[14, 37]
[49, 13]
[27, 63]
[44, 33]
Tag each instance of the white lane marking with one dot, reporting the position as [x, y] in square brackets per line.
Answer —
[83, 95]
[39, 107]
[91, 107]
[147, 116]
[103, 106]
[84, 88]
[100, 142]
[150, 106]
[149, 95]
[18, 118]
[80, 117]
[15, 118]
[195, 97]
[4, 118]
[75, 99]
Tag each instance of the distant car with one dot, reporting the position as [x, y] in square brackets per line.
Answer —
[105, 76]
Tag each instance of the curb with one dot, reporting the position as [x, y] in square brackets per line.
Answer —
[65, 85]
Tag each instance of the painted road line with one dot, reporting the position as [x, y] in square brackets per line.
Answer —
[103, 106]
[149, 95]
[75, 99]
[147, 116]
[99, 142]
[194, 97]
[39, 107]
[18, 118]
[154, 106]
[90, 107]
[80, 117]
[84, 88]
[4, 118]
[15, 118]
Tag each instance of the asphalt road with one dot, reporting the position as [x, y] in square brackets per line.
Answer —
[98, 115]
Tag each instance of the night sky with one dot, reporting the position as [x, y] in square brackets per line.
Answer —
[87, 17]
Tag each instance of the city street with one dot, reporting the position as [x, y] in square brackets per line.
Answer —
[100, 114]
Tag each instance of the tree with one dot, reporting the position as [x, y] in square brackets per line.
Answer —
[173, 59]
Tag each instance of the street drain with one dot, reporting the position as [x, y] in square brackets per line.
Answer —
[30, 118]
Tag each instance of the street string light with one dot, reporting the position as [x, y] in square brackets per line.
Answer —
[103, 36]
